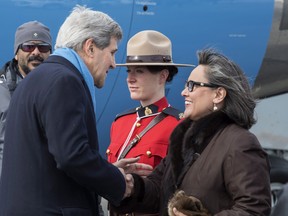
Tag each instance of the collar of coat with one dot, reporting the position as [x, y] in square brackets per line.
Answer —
[189, 139]
[9, 73]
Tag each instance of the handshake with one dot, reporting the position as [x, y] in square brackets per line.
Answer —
[128, 166]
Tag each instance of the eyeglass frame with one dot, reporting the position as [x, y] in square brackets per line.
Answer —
[34, 45]
[191, 88]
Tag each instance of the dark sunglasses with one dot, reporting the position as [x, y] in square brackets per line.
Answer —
[190, 85]
[42, 47]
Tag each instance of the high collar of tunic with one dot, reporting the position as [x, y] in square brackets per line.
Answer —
[152, 109]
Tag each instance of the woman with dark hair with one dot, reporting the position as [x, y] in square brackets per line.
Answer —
[218, 166]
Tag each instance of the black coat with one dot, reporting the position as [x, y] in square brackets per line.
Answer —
[51, 162]
[9, 79]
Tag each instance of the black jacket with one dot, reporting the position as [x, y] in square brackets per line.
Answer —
[9, 79]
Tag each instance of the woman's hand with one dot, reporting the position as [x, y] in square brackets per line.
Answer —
[177, 213]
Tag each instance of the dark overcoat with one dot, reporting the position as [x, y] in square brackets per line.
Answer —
[214, 160]
[51, 163]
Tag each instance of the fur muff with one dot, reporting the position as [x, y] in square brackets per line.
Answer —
[188, 205]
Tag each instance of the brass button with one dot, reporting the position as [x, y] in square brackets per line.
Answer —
[149, 153]
[138, 124]
[108, 151]
[148, 111]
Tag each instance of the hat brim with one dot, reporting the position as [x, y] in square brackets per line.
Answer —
[154, 64]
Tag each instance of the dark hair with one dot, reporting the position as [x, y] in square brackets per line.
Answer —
[239, 102]
[172, 71]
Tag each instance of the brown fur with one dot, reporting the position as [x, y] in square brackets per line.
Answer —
[188, 205]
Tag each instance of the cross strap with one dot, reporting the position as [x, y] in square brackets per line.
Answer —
[133, 142]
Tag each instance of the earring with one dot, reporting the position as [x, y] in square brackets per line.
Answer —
[215, 108]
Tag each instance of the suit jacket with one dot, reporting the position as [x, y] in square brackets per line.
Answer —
[51, 163]
[214, 160]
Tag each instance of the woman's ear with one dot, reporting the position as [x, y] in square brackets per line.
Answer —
[220, 94]
[164, 75]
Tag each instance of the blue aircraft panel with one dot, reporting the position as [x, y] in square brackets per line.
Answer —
[239, 28]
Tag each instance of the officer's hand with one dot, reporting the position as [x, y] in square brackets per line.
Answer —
[130, 166]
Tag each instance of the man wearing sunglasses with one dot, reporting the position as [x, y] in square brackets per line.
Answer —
[33, 44]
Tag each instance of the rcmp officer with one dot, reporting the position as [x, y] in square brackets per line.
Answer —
[149, 66]
[144, 131]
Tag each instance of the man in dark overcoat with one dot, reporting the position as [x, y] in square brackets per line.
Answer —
[51, 164]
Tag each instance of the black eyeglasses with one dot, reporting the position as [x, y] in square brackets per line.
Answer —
[30, 47]
[190, 85]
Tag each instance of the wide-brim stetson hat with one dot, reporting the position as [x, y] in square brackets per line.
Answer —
[150, 48]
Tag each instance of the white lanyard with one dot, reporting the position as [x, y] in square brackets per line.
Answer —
[131, 132]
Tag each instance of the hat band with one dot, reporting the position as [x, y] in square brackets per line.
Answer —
[149, 58]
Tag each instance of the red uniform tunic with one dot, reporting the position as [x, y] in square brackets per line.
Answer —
[153, 146]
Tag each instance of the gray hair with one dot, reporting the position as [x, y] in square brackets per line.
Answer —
[84, 23]
[239, 103]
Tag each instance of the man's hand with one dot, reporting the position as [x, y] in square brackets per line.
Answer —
[129, 166]
[129, 183]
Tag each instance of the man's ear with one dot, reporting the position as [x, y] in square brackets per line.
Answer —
[88, 47]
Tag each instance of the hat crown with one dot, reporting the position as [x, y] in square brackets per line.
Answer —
[32, 30]
[149, 43]
[150, 47]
